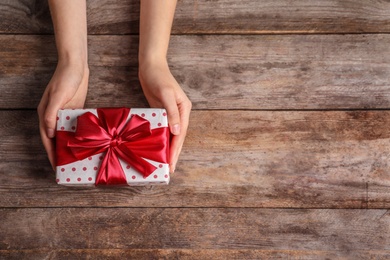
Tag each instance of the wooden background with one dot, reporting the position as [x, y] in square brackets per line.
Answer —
[288, 151]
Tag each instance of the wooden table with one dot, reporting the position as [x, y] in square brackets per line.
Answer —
[288, 151]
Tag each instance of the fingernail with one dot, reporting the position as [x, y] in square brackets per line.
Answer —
[50, 133]
[176, 129]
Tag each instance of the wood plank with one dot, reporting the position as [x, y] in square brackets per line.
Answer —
[219, 16]
[197, 228]
[187, 254]
[217, 72]
[230, 159]
[378, 186]
[28, 17]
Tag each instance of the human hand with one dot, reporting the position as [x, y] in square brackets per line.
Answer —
[162, 91]
[66, 89]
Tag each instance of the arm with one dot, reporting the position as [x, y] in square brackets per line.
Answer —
[159, 86]
[69, 83]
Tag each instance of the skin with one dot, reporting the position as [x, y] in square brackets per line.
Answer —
[69, 85]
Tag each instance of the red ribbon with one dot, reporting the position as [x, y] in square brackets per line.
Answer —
[109, 133]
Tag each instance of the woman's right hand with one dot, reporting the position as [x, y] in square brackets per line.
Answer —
[67, 89]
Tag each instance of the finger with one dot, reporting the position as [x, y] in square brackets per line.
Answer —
[185, 110]
[176, 147]
[169, 103]
[48, 143]
[178, 141]
[50, 116]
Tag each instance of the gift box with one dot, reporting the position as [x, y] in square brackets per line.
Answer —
[112, 146]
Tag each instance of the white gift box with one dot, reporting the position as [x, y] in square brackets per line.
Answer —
[84, 172]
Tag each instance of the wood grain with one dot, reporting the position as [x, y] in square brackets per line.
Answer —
[217, 72]
[287, 155]
[230, 159]
[213, 17]
[199, 228]
[25, 17]
[189, 254]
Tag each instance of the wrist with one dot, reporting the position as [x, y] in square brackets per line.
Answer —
[75, 65]
[152, 62]
[146, 56]
[147, 68]
[73, 58]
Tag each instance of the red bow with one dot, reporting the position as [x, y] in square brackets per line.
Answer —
[109, 133]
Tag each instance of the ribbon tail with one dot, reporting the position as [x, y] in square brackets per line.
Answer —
[137, 162]
[63, 152]
[110, 172]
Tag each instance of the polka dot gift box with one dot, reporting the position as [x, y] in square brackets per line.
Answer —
[112, 146]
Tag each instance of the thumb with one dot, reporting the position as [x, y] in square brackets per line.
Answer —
[173, 114]
[50, 116]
